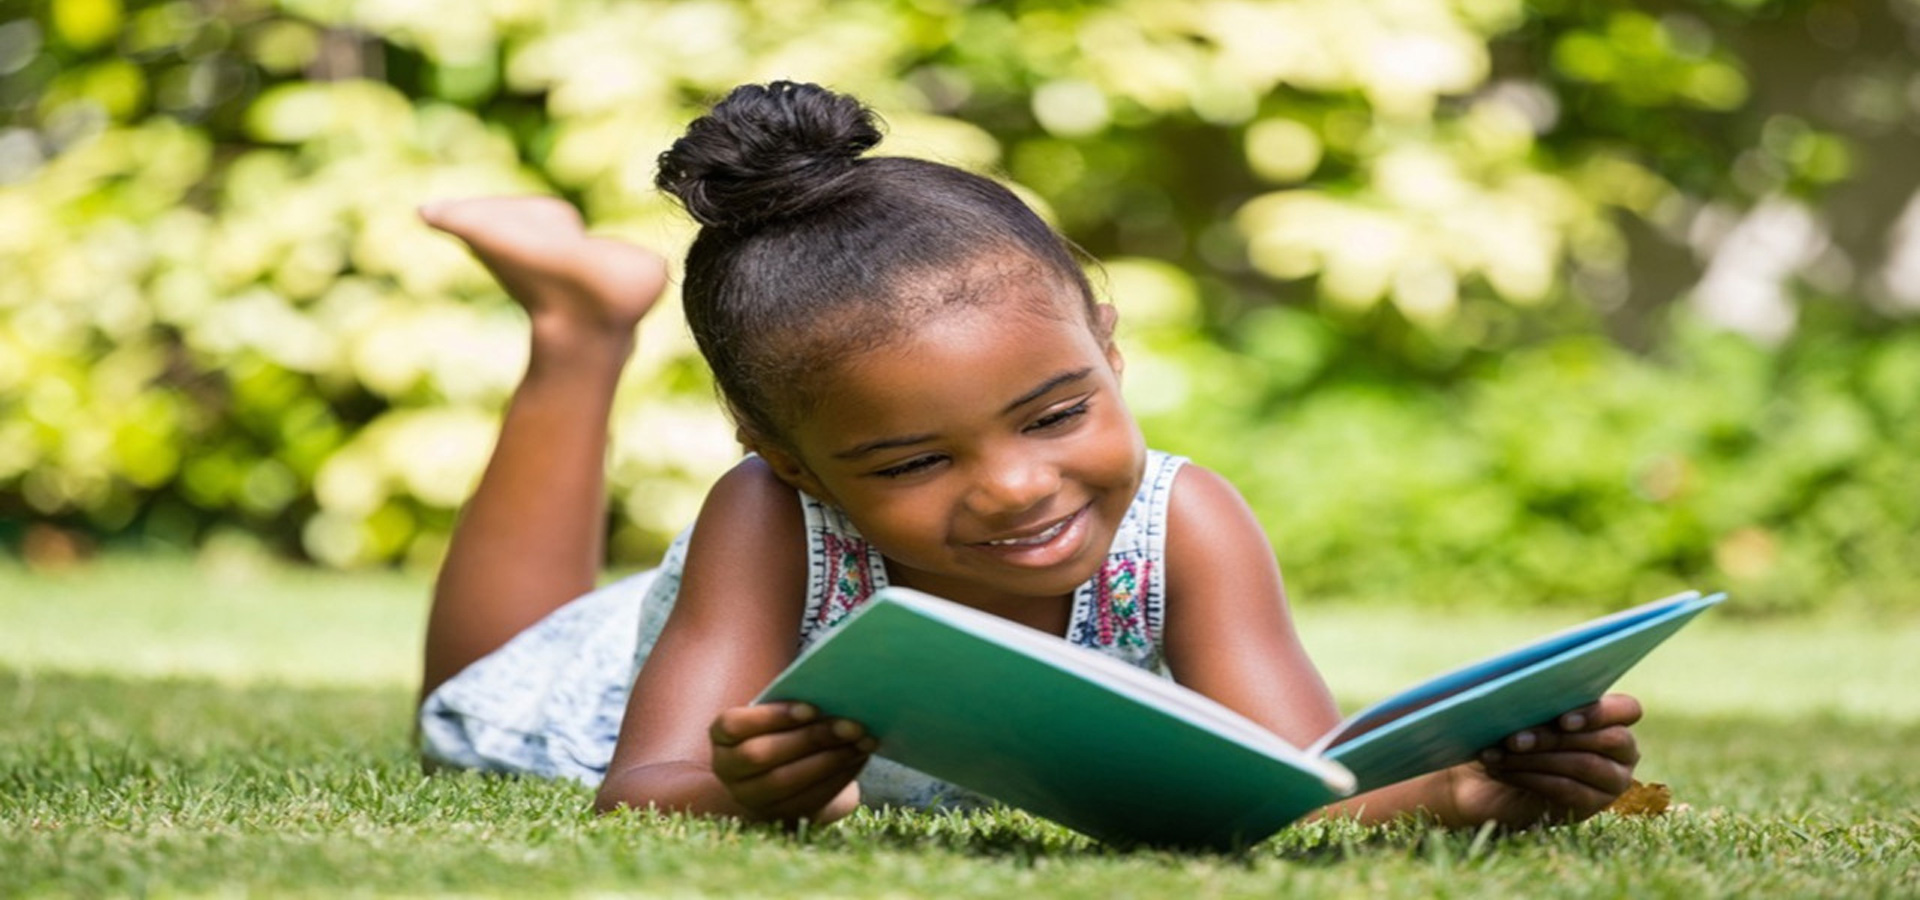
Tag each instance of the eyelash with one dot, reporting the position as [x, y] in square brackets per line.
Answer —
[1050, 420]
[908, 468]
[1056, 419]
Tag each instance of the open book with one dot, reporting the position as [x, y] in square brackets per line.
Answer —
[1126, 756]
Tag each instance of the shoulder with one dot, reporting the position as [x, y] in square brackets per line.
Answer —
[1204, 505]
[750, 538]
[750, 504]
[750, 486]
[1215, 543]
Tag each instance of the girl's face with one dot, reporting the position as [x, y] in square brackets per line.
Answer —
[987, 455]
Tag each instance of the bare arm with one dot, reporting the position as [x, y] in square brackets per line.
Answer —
[690, 740]
[1230, 636]
[1229, 633]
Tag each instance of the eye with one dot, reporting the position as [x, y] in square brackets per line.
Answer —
[911, 466]
[1059, 417]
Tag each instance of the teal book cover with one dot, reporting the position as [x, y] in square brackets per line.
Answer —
[1129, 757]
[1033, 721]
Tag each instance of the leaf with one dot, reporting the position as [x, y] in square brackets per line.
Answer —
[1643, 799]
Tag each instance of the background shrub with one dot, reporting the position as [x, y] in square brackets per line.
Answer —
[1434, 282]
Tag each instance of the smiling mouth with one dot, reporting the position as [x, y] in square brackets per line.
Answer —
[1035, 540]
[1042, 538]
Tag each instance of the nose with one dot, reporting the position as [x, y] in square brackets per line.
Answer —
[1013, 484]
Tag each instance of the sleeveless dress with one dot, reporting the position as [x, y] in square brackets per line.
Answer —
[549, 702]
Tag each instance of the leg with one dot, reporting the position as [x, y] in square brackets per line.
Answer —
[531, 537]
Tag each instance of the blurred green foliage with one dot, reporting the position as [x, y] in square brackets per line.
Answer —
[1395, 267]
[1576, 470]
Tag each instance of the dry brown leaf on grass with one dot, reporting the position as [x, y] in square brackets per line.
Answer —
[1643, 799]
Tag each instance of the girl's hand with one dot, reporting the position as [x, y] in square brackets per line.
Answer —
[784, 761]
[1563, 772]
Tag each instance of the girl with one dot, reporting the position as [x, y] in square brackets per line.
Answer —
[931, 396]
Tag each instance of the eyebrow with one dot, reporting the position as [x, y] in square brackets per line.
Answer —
[883, 444]
[908, 440]
[1047, 387]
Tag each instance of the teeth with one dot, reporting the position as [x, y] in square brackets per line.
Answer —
[1041, 538]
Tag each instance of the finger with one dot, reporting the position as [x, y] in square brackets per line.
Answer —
[1569, 794]
[801, 787]
[1598, 772]
[739, 723]
[1616, 742]
[1610, 710]
[765, 752]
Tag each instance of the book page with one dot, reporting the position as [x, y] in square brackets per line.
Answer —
[1448, 724]
[1449, 684]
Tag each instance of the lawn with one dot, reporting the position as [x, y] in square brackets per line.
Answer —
[173, 729]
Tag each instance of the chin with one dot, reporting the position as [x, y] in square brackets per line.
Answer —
[1069, 577]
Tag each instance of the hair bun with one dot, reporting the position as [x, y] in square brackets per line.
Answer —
[767, 152]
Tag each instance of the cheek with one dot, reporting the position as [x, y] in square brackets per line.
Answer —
[1119, 447]
[906, 518]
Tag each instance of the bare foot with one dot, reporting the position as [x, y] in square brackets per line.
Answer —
[568, 280]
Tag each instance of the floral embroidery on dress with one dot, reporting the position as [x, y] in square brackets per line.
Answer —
[1121, 617]
[849, 583]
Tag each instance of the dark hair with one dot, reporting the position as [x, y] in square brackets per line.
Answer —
[809, 251]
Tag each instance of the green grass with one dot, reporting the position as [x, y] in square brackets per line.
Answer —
[166, 730]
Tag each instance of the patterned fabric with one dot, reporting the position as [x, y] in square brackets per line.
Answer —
[843, 570]
[1121, 620]
[549, 702]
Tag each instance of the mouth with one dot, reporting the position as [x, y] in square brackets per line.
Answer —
[1051, 545]
[1037, 538]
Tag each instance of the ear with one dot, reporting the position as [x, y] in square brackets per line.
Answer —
[1105, 317]
[788, 468]
[782, 461]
